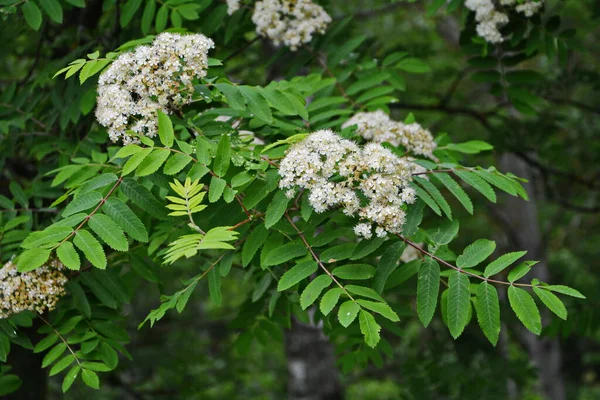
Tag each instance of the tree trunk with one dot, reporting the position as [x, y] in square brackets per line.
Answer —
[312, 374]
[522, 220]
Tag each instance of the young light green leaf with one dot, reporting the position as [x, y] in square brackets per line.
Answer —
[329, 300]
[313, 290]
[369, 328]
[68, 256]
[458, 303]
[456, 190]
[32, 259]
[488, 311]
[109, 232]
[82, 203]
[380, 308]
[165, 129]
[475, 253]
[428, 287]
[125, 218]
[295, 274]
[525, 308]
[502, 262]
[276, 209]
[223, 156]
[551, 301]
[91, 248]
[348, 312]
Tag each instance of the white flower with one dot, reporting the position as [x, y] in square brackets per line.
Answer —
[338, 173]
[291, 22]
[490, 20]
[151, 78]
[232, 6]
[378, 127]
[37, 290]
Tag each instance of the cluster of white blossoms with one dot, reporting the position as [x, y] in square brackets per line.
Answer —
[291, 22]
[377, 126]
[232, 6]
[369, 181]
[151, 78]
[38, 290]
[490, 20]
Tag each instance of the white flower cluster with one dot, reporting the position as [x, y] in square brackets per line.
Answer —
[151, 78]
[232, 6]
[378, 127]
[36, 290]
[291, 22]
[490, 20]
[369, 181]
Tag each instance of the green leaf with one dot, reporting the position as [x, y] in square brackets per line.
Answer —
[261, 287]
[62, 364]
[53, 354]
[91, 248]
[488, 311]
[551, 301]
[437, 196]
[97, 182]
[369, 328]
[217, 185]
[295, 274]
[525, 308]
[455, 189]
[32, 259]
[499, 181]
[82, 203]
[445, 233]
[152, 162]
[9, 383]
[458, 303]
[257, 103]
[313, 290]
[68, 256]
[90, 378]
[127, 13]
[413, 65]
[427, 199]
[255, 240]
[564, 290]
[284, 253]
[428, 287]
[143, 198]
[329, 300]
[470, 147]
[45, 343]
[279, 101]
[32, 14]
[80, 298]
[108, 354]
[148, 16]
[521, 270]
[53, 9]
[476, 182]
[380, 308]
[135, 160]
[109, 232]
[223, 156]
[233, 95]
[161, 18]
[475, 253]
[276, 209]
[70, 378]
[165, 129]
[214, 286]
[50, 235]
[502, 262]
[354, 271]
[364, 292]
[176, 163]
[387, 264]
[348, 312]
